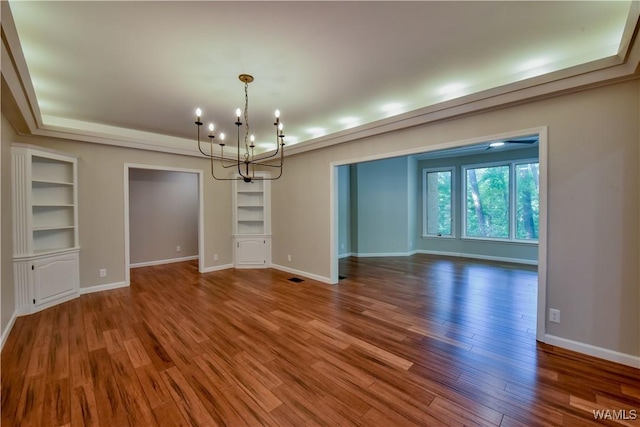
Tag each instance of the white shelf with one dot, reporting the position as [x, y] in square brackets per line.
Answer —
[45, 168]
[45, 222]
[251, 224]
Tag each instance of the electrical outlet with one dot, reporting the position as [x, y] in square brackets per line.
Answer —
[103, 272]
[178, 248]
[289, 258]
[554, 315]
[215, 257]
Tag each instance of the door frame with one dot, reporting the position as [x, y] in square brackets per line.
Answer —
[541, 132]
[199, 172]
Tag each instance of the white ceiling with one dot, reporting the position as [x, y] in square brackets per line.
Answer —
[141, 68]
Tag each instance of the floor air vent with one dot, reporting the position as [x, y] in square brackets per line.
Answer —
[296, 280]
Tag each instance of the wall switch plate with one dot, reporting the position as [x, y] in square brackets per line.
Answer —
[554, 315]
[215, 257]
[178, 248]
[103, 272]
[289, 258]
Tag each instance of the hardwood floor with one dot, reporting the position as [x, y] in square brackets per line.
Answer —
[415, 341]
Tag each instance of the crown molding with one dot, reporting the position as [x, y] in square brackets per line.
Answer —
[623, 66]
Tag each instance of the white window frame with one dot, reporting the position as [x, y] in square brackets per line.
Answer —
[512, 201]
[425, 172]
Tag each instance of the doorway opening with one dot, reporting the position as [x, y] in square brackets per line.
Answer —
[163, 216]
[412, 222]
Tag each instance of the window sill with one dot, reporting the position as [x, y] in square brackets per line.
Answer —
[498, 240]
[433, 236]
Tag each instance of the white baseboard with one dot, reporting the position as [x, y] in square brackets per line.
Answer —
[162, 261]
[382, 254]
[302, 273]
[7, 331]
[475, 256]
[592, 350]
[216, 268]
[451, 254]
[347, 255]
[100, 288]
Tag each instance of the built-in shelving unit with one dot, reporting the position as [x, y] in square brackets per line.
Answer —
[252, 225]
[45, 232]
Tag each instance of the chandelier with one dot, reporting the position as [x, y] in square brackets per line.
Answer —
[248, 163]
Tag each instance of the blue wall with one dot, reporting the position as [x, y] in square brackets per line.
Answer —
[380, 210]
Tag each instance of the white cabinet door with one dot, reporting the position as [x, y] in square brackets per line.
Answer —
[251, 252]
[55, 277]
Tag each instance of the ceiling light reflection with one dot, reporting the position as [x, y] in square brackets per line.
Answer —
[392, 109]
[316, 132]
[453, 90]
[349, 121]
[534, 67]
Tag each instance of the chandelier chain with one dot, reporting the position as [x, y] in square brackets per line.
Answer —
[246, 117]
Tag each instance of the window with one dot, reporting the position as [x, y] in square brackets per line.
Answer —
[527, 201]
[487, 190]
[438, 202]
[501, 201]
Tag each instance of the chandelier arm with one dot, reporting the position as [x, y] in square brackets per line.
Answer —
[232, 165]
[259, 160]
[279, 136]
[273, 178]
[270, 156]
[198, 124]
[278, 165]
[210, 155]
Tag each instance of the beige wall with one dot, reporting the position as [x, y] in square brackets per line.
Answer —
[101, 205]
[593, 208]
[163, 214]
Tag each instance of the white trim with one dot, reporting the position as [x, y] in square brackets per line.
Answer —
[543, 162]
[30, 309]
[101, 288]
[592, 350]
[452, 194]
[162, 261]
[7, 331]
[443, 146]
[304, 274]
[384, 254]
[511, 164]
[216, 268]
[482, 257]
[127, 249]
[346, 255]
[334, 213]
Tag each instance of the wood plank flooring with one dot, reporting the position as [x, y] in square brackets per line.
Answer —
[417, 341]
